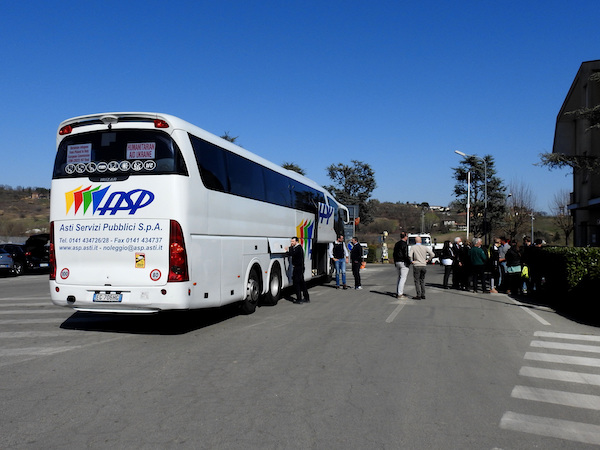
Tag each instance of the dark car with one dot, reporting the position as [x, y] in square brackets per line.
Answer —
[6, 262]
[17, 251]
[37, 252]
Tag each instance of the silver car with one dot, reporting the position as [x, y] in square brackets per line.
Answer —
[7, 265]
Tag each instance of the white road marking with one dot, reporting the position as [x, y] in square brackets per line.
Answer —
[529, 311]
[544, 426]
[572, 399]
[31, 321]
[392, 316]
[32, 311]
[35, 351]
[560, 375]
[563, 359]
[30, 334]
[24, 305]
[564, 346]
[575, 337]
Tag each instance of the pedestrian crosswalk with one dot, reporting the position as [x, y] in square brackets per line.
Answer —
[562, 372]
[31, 327]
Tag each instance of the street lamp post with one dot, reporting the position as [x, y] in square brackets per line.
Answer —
[468, 202]
[485, 227]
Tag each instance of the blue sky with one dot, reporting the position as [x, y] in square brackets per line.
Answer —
[399, 85]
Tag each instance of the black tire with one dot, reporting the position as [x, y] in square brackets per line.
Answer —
[18, 269]
[274, 289]
[248, 305]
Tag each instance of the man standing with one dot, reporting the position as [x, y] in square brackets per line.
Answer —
[297, 254]
[478, 261]
[356, 260]
[338, 252]
[402, 263]
[504, 247]
[495, 266]
[419, 255]
[457, 269]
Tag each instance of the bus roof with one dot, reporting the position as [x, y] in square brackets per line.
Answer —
[100, 120]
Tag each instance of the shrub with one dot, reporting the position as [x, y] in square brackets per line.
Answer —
[571, 274]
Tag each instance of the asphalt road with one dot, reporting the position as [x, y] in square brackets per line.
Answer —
[351, 370]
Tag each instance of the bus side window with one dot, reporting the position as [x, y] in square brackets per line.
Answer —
[245, 177]
[277, 188]
[211, 163]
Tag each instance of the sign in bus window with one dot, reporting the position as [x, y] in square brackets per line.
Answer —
[80, 153]
[144, 150]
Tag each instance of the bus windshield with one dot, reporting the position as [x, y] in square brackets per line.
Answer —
[118, 154]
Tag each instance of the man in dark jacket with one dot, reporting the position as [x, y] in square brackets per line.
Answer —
[478, 262]
[297, 254]
[402, 263]
[457, 268]
[356, 260]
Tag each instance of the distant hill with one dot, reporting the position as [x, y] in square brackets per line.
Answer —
[442, 223]
[24, 211]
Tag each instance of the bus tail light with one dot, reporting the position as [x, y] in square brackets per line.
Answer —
[67, 129]
[52, 260]
[178, 266]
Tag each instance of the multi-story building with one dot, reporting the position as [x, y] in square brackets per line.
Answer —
[573, 136]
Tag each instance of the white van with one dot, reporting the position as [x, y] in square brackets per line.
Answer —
[425, 240]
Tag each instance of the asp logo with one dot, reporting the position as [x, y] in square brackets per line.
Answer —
[100, 203]
[304, 231]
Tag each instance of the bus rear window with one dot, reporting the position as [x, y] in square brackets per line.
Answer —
[118, 153]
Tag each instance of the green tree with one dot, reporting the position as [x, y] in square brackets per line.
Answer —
[590, 163]
[293, 167]
[496, 198]
[591, 114]
[230, 138]
[353, 186]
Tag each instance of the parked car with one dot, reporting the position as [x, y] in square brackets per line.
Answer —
[37, 252]
[6, 262]
[17, 251]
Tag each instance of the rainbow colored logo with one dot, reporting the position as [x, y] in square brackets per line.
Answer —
[304, 231]
[117, 201]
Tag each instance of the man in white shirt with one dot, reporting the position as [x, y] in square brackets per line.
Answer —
[419, 254]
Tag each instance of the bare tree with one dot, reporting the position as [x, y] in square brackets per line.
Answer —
[520, 206]
[562, 217]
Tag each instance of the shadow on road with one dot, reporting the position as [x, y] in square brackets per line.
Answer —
[386, 293]
[163, 323]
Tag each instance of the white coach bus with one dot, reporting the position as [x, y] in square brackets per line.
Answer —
[150, 213]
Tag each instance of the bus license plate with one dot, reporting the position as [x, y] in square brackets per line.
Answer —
[107, 297]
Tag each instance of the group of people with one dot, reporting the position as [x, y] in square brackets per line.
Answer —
[504, 267]
[340, 256]
[500, 268]
[417, 256]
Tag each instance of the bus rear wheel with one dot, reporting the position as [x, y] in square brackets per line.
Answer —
[274, 291]
[248, 305]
